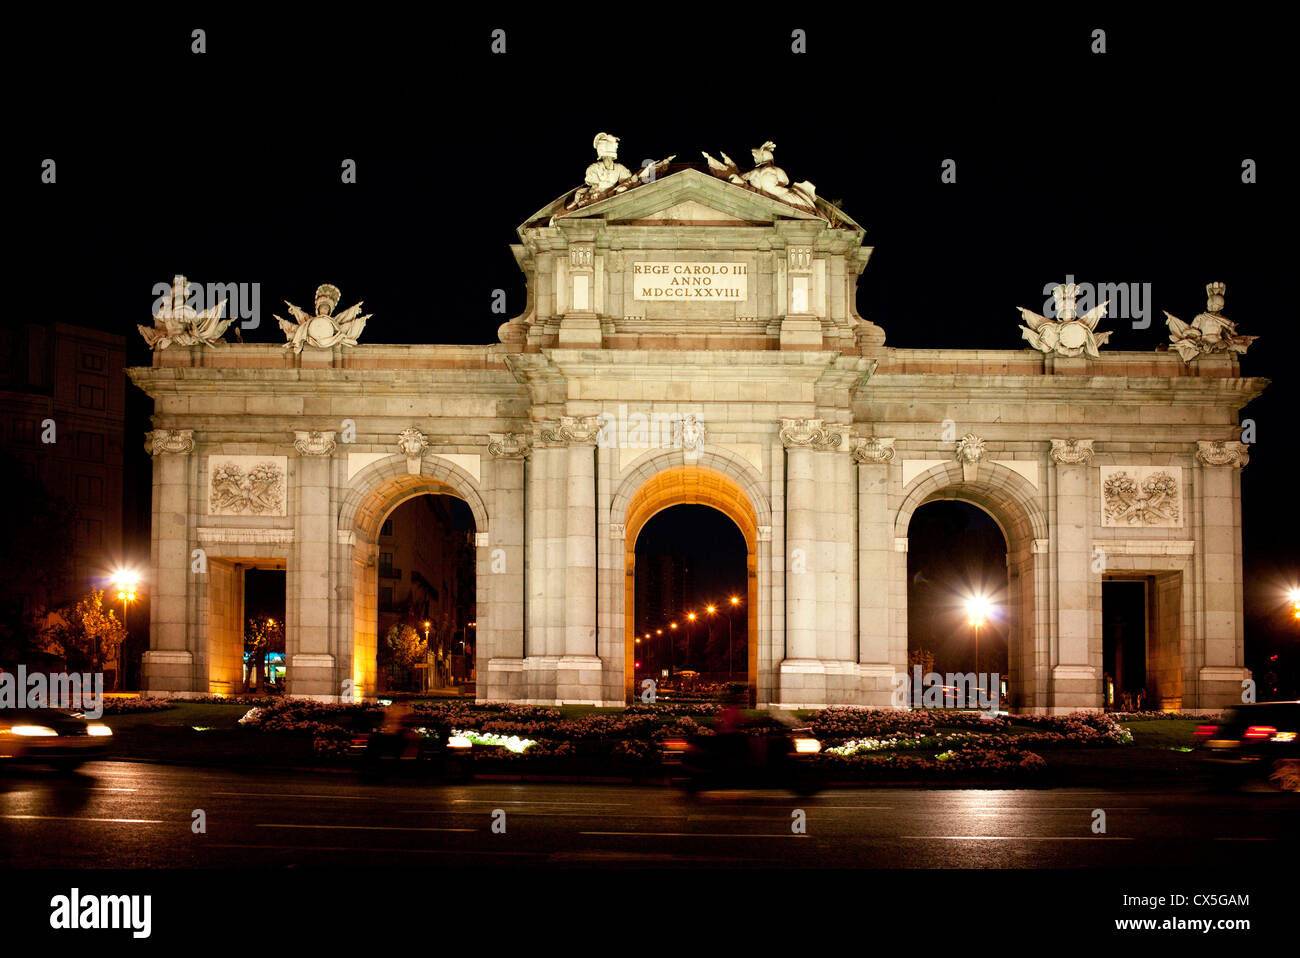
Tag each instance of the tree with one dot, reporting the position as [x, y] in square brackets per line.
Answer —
[406, 647]
[86, 633]
[262, 636]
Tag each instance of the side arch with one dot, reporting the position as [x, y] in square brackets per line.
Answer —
[382, 486]
[1014, 504]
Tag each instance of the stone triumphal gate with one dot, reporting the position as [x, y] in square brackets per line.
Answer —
[691, 336]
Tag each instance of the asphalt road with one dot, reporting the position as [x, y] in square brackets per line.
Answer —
[131, 815]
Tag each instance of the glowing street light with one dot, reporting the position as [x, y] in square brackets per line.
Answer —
[1295, 603]
[978, 608]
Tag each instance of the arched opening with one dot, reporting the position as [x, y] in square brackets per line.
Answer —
[691, 595]
[1008, 499]
[692, 517]
[958, 613]
[376, 493]
[426, 597]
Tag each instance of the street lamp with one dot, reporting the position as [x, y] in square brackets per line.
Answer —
[690, 617]
[1295, 603]
[977, 610]
[735, 601]
[125, 580]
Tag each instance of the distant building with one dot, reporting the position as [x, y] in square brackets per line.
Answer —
[66, 383]
[426, 574]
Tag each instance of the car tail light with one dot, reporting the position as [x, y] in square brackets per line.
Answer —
[1260, 732]
[674, 745]
[1206, 730]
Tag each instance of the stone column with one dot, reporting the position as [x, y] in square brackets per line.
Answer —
[310, 658]
[501, 587]
[812, 563]
[1221, 665]
[1076, 682]
[579, 675]
[169, 664]
[877, 661]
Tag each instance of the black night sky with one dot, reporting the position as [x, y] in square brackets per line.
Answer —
[1123, 167]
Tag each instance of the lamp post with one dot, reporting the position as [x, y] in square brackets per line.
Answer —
[690, 617]
[125, 581]
[672, 648]
[977, 609]
[712, 610]
[735, 601]
[427, 685]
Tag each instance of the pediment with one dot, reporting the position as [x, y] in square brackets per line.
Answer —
[688, 196]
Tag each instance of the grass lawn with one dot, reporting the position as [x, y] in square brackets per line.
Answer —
[183, 713]
[1163, 733]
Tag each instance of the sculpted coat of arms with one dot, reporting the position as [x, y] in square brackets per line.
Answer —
[257, 490]
[1152, 500]
[324, 330]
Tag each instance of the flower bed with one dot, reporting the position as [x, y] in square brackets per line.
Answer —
[116, 706]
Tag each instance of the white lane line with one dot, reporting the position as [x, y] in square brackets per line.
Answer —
[342, 798]
[71, 818]
[101, 788]
[1016, 838]
[697, 834]
[488, 801]
[365, 828]
[354, 848]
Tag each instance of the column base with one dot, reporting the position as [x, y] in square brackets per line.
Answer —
[167, 671]
[311, 676]
[1219, 687]
[1075, 688]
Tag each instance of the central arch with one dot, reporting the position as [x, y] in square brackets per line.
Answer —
[690, 485]
[1012, 502]
[373, 494]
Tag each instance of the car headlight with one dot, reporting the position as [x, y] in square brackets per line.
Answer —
[459, 741]
[98, 730]
[807, 746]
[33, 730]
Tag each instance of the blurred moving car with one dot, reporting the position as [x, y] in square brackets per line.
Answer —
[740, 757]
[401, 739]
[52, 737]
[1260, 740]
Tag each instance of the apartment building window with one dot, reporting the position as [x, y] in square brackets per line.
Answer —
[90, 447]
[90, 397]
[386, 564]
[90, 490]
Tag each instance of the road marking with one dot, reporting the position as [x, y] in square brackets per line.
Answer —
[697, 834]
[354, 849]
[488, 801]
[343, 798]
[101, 788]
[366, 828]
[1017, 838]
[71, 818]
